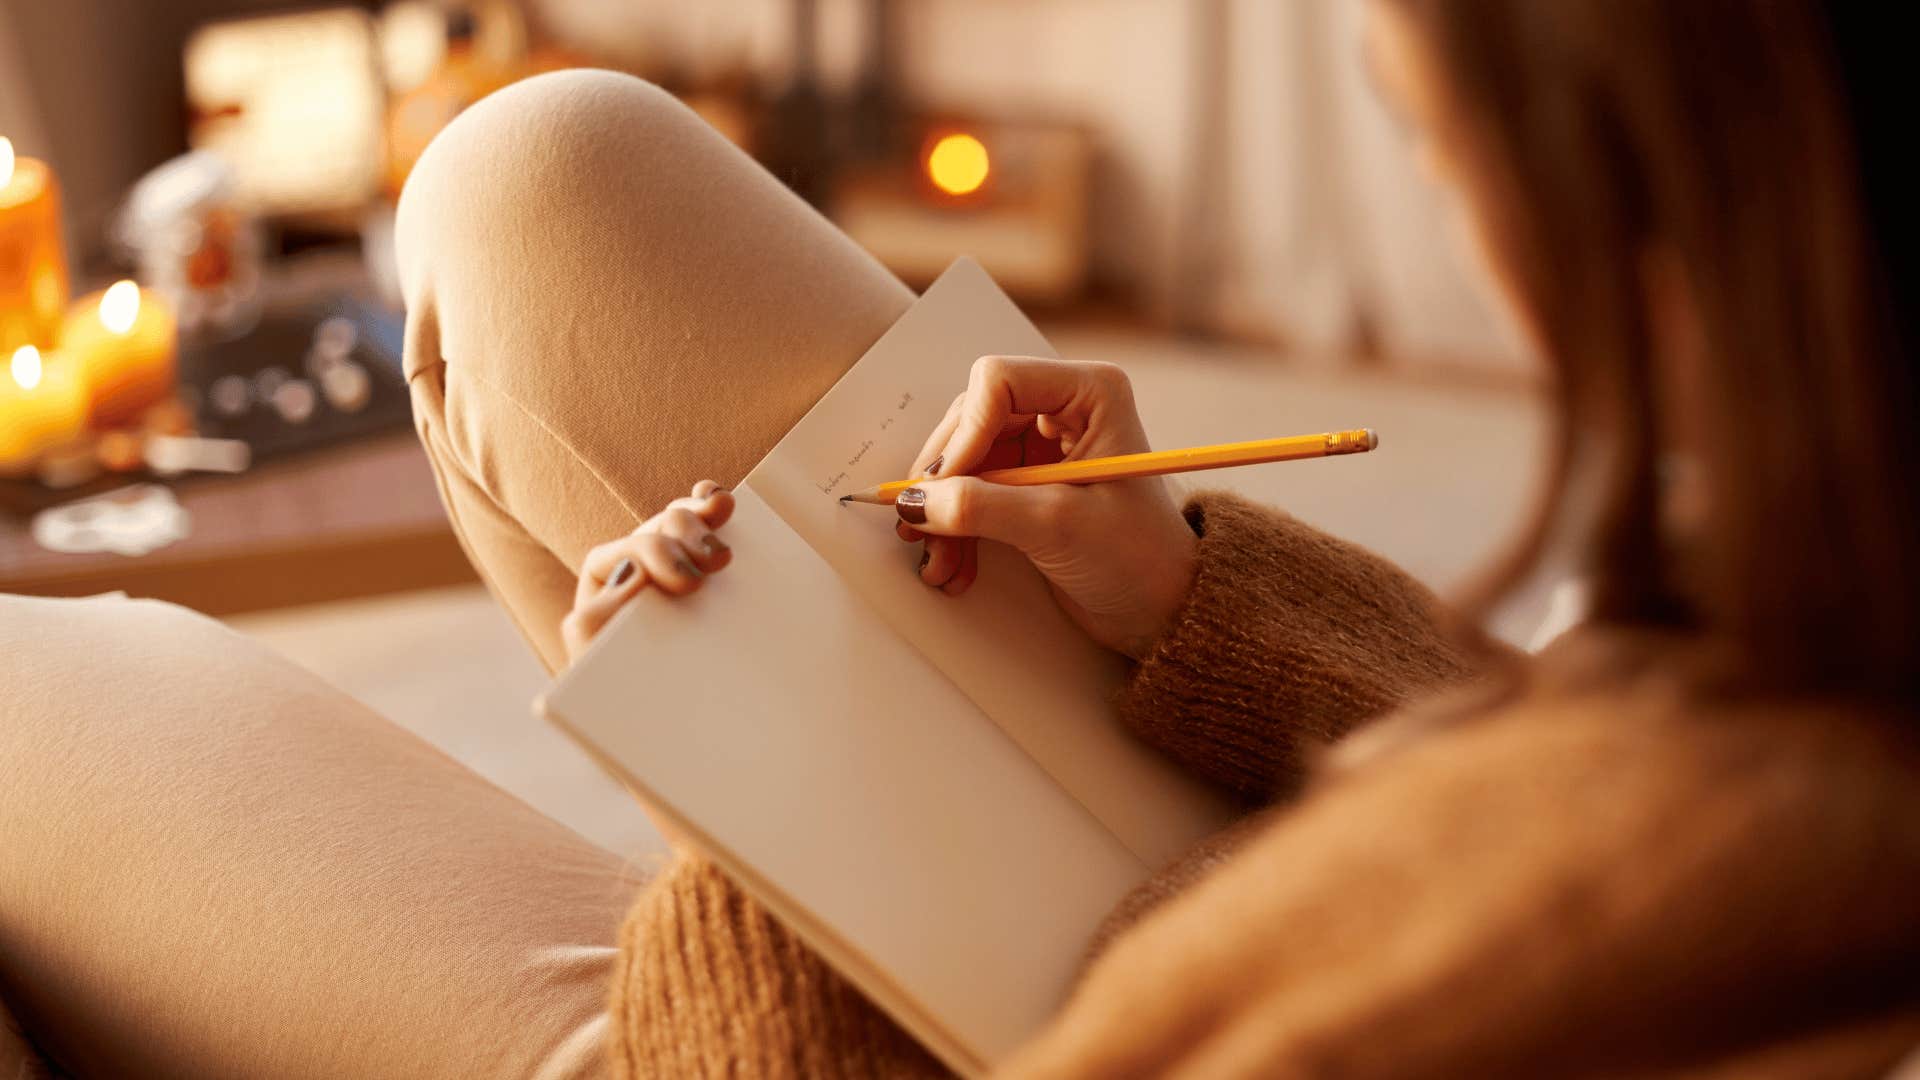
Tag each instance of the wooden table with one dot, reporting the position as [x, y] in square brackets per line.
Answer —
[333, 524]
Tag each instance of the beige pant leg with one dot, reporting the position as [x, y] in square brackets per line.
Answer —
[608, 302]
[214, 865]
[210, 864]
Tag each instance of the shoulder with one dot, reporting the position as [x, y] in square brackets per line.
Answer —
[1656, 700]
[1646, 791]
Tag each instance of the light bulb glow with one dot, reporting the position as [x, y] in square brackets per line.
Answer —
[958, 164]
[120, 306]
[6, 161]
[26, 367]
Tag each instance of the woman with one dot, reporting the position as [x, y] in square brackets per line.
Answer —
[1685, 841]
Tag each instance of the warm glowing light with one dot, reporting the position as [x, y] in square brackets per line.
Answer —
[26, 367]
[6, 161]
[120, 306]
[957, 164]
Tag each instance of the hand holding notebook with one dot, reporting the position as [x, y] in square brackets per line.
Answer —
[932, 791]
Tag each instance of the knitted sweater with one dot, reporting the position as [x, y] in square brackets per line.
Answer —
[1602, 876]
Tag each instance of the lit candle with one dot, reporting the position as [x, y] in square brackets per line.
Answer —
[122, 344]
[958, 164]
[42, 404]
[33, 267]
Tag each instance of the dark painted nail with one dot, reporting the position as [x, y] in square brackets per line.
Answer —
[714, 545]
[911, 505]
[622, 574]
[934, 469]
[686, 567]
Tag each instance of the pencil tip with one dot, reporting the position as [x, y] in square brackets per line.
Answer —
[844, 499]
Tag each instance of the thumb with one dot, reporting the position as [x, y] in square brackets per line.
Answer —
[1024, 517]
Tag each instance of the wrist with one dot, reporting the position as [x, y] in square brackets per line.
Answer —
[1166, 592]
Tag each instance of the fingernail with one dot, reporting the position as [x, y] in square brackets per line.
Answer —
[911, 505]
[714, 545]
[934, 469]
[716, 493]
[622, 574]
[687, 568]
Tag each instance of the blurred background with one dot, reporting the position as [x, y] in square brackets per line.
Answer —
[1216, 166]
[199, 386]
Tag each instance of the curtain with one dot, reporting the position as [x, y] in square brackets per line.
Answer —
[1335, 233]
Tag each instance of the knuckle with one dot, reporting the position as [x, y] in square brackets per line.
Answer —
[604, 556]
[990, 371]
[1112, 376]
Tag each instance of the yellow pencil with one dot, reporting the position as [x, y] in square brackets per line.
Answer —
[1157, 462]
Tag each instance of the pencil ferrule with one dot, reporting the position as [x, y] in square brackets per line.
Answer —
[1347, 442]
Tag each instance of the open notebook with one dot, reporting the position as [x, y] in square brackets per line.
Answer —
[933, 792]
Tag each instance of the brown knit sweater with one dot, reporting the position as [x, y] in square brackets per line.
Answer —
[1601, 876]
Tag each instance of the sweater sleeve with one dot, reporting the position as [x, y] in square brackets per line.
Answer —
[1288, 639]
[1606, 887]
[710, 984]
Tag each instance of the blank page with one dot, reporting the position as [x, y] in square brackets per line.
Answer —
[843, 780]
[1005, 642]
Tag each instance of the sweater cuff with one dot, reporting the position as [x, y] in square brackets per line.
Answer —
[710, 984]
[1288, 639]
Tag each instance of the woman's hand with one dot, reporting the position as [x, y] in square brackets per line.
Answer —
[1118, 555]
[673, 551]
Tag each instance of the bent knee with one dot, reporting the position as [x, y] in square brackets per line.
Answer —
[530, 160]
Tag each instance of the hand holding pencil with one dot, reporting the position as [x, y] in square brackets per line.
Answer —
[1107, 535]
[1154, 463]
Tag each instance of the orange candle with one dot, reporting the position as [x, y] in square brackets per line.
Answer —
[122, 343]
[42, 404]
[33, 266]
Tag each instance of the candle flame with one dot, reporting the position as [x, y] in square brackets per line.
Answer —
[120, 306]
[6, 161]
[26, 367]
[958, 164]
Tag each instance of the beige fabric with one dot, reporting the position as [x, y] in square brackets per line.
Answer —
[214, 865]
[608, 302]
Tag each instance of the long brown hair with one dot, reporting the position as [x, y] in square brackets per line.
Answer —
[1721, 131]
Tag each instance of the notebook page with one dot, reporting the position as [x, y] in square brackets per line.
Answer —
[834, 773]
[1005, 643]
